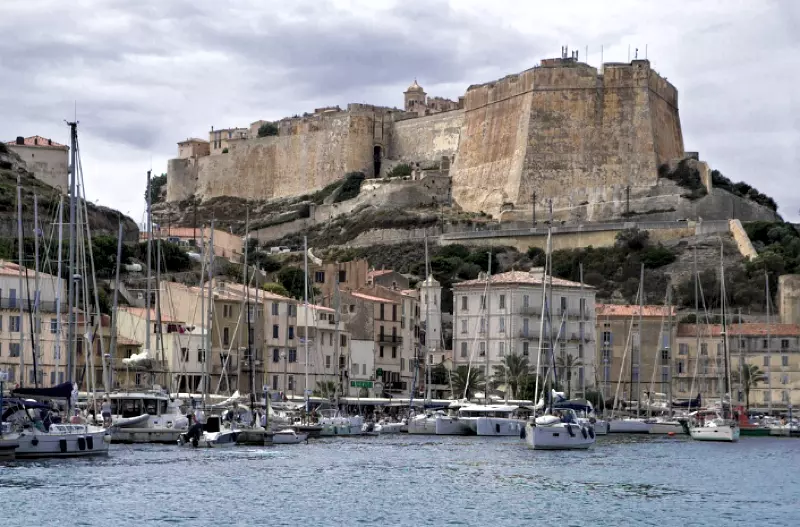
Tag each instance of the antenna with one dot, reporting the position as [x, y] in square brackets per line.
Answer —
[636, 54]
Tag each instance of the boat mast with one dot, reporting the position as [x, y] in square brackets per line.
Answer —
[159, 318]
[541, 324]
[249, 322]
[149, 228]
[21, 318]
[488, 299]
[669, 349]
[36, 330]
[59, 286]
[305, 316]
[582, 325]
[113, 341]
[726, 380]
[769, 345]
[696, 325]
[203, 310]
[639, 345]
[210, 307]
[427, 283]
[71, 293]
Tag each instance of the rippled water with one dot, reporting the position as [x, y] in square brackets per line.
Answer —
[415, 480]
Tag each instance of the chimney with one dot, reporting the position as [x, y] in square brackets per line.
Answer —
[20, 140]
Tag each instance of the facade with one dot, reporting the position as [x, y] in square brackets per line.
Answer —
[193, 148]
[387, 278]
[346, 276]
[487, 327]
[226, 245]
[219, 140]
[631, 350]
[773, 348]
[328, 346]
[46, 159]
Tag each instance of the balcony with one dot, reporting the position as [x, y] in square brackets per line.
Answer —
[530, 310]
[528, 335]
[395, 386]
[391, 340]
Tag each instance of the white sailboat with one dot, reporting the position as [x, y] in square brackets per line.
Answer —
[288, 437]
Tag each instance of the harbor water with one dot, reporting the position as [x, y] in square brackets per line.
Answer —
[415, 480]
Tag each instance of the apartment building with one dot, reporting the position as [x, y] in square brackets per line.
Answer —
[502, 315]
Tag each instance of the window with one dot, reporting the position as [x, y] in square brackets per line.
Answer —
[52, 378]
[582, 305]
[342, 276]
[703, 349]
[606, 355]
[343, 340]
[291, 332]
[482, 349]
[563, 304]
[12, 303]
[394, 312]
[275, 382]
[767, 396]
[463, 350]
[483, 302]
[13, 349]
[784, 344]
[765, 343]
[275, 308]
[525, 349]
[319, 277]
[635, 374]
[525, 300]
[185, 354]
[32, 375]
[664, 376]
[784, 379]
[290, 383]
[275, 331]
[483, 325]
[201, 355]
[580, 351]
[680, 366]
[784, 396]
[226, 337]
[608, 338]
[766, 360]
[402, 363]
[683, 349]
[292, 355]
[464, 303]
[330, 339]
[13, 323]
[525, 326]
[276, 355]
[381, 310]
[292, 310]
[463, 326]
[355, 368]
[502, 301]
[501, 349]
[502, 325]
[380, 352]
[327, 361]
[664, 356]
[606, 373]
[53, 325]
[394, 352]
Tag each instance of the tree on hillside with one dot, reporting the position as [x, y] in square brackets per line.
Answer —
[157, 183]
[292, 279]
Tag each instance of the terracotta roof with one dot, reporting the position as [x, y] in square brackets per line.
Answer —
[371, 298]
[315, 307]
[142, 313]
[614, 310]
[740, 330]
[519, 278]
[38, 141]
[12, 269]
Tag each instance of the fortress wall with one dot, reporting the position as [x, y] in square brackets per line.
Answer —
[287, 165]
[181, 179]
[426, 138]
[666, 121]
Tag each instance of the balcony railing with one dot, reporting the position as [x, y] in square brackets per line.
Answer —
[395, 386]
[530, 310]
[390, 339]
[529, 334]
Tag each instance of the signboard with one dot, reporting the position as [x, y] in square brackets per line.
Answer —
[361, 384]
[379, 372]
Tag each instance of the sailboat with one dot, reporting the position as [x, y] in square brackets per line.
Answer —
[717, 424]
[556, 429]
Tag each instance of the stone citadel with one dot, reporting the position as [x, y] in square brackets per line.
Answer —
[561, 133]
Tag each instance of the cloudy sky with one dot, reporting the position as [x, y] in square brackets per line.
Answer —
[148, 73]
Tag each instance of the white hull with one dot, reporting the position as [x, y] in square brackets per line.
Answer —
[422, 425]
[725, 433]
[666, 427]
[63, 441]
[628, 426]
[389, 428]
[601, 427]
[452, 426]
[8, 444]
[557, 437]
[145, 435]
[289, 437]
[498, 426]
[224, 439]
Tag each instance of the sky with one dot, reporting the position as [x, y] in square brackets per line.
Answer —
[143, 75]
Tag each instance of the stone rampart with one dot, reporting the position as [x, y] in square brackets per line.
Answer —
[427, 138]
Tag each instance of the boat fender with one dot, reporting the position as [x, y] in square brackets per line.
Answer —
[90, 442]
[584, 432]
[35, 441]
[62, 444]
[571, 432]
[591, 432]
[107, 438]
[82, 443]
[497, 428]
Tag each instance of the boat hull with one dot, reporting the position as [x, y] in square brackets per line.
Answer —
[422, 425]
[498, 426]
[280, 438]
[63, 441]
[452, 426]
[130, 435]
[756, 431]
[558, 437]
[666, 428]
[628, 426]
[722, 433]
[601, 427]
[8, 446]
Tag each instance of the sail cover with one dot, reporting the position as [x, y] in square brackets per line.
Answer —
[60, 391]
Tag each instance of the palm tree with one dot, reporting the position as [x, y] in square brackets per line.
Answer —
[325, 389]
[467, 381]
[512, 372]
[565, 363]
[749, 376]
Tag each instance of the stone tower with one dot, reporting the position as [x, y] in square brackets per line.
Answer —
[430, 312]
[414, 96]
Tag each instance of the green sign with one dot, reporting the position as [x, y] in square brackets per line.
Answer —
[379, 372]
[361, 384]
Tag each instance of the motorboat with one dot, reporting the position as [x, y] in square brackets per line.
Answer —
[665, 426]
[288, 437]
[209, 435]
[335, 424]
[586, 414]
[710, 425]
[629, 425]
[492, 419]
[146, 417]
[559, 432]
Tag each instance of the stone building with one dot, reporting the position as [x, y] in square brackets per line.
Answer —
[774, 348]
[631, 350]
[46, 159]
[789, 298]
[387, 278]
[508, 321]
[226, 245]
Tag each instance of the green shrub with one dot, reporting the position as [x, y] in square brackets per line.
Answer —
[351, 186]
[654, 257]
[685, 176]
[225, 150]
[743, 190]
[267, 130]
[401, 170]
[275, 288]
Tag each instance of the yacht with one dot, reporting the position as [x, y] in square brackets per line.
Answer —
[288, 437]
[425, 423]
[665, 425]
[492, 419]
[209, 435]
[586, 414]
[629, 425]
[335, 424]
[709, 425]
[146, 417]
[554, 432]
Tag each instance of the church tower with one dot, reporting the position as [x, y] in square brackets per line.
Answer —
[414, 97]
[430, 312]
